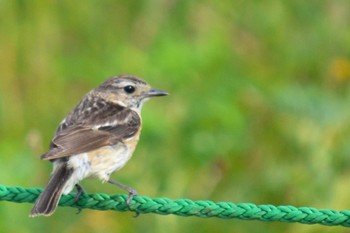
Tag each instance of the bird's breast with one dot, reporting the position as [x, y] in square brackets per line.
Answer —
[104, 161]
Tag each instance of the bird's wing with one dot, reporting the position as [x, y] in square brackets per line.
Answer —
[80, 138]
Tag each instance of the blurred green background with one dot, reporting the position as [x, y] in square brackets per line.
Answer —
[258, 112]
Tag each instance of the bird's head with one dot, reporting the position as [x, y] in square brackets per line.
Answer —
[128, 91]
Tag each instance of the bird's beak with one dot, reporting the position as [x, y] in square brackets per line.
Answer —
[156, 92]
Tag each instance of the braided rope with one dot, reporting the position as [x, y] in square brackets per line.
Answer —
[186, 207]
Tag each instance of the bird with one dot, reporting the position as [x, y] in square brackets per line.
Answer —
[95, 139]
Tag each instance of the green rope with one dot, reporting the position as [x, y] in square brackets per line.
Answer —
[186, 207]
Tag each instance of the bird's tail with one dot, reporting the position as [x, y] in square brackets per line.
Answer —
[48, 199]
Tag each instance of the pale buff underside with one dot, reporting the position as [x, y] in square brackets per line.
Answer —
[100, 163]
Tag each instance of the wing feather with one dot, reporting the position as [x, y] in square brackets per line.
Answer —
[105, 126]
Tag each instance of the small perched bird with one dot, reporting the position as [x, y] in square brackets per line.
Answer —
[97, 138]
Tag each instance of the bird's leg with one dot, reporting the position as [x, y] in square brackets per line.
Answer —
[79, 193]
[77, 196]
[132, 192]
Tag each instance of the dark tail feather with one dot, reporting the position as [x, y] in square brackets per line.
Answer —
[48, 199]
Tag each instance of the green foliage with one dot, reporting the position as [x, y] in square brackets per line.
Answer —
[258, 112]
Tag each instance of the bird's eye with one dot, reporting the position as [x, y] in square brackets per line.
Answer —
[129, 89]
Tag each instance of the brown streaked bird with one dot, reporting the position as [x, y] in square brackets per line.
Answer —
[96, 138]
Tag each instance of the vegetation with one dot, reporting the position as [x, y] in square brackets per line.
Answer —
[258, 112]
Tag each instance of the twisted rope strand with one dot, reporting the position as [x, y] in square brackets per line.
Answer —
[186, 207]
